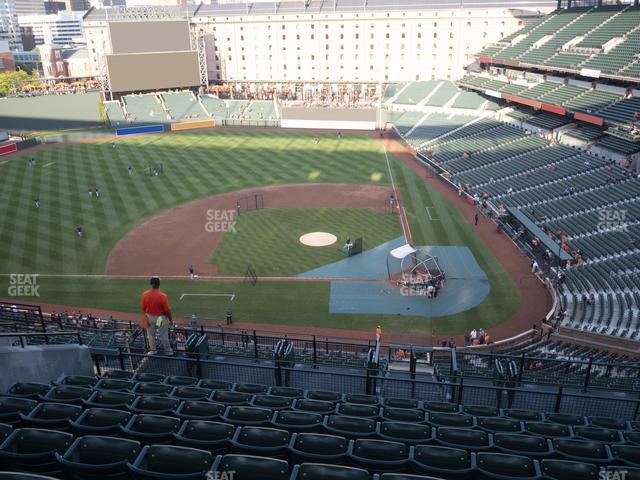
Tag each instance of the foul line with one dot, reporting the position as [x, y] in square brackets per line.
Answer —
[429, 213]
[403, 215]
[48, 164]
[232, 295]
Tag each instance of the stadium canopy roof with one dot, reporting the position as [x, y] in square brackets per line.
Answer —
[331, 6]
[537, 231]
[402, 251]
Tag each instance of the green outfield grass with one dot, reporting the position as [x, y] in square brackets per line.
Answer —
[198, 165]
[268, 239]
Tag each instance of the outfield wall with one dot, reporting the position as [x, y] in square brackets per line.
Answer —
[175, 127]
[329, 118]
[123, 132]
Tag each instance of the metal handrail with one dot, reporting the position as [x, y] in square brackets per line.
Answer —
[46, 335]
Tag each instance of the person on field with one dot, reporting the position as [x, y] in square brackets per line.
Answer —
[157, 317]
[79, 231]
[229, 317]
[37, 202]
[378, 333]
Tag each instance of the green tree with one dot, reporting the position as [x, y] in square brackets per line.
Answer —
[10, 82]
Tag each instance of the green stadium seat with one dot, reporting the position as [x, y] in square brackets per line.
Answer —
[198, 410]
[247, 467]
[32, 391]
[451, 420]
[78, 381]
[567, 470]
[164, 461]
[379, 455]
[5, 431]
[286, 392]
[190, 393]
[465, 438]
[626, 455]
[149, 378]
[55, 416]
[297, 421]
[525, 415]
[318, 471]
[100, 421]
[33, 450]
[531, 446]
[566, 419]
[214, 384]
[357, 410]
[405, 476]
[109, 399]
[632, 437]
[611, 423]
[324, 395]
[314, 406]
[350, 427]
[271, 401]
[67, 394]
[582, 451]
[94, 457]
[240, 415]
[231, 398]
[118, 374]
[481, 411]
[260, 441]
[361, 399]
[316, 447]
[495, 424]
[501, 466]
[604, 435]
[252, 388]
[151, 429]
[180, 381]
[154, 405]
[23, 476]
[151, 388]
[441, 407]
[407, 403]
[114, 384]
[402, 414]
[405, 432]
[544, 429]
[12, 407]
[210, 436]
[453, 463]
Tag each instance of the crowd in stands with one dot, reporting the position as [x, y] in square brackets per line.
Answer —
[59, 88]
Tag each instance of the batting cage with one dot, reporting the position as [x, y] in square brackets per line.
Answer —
[249, 202]
[415, 269]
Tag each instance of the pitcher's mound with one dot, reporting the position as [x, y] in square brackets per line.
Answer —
[318, 239]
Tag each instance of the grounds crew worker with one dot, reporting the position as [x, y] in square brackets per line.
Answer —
[157, 316]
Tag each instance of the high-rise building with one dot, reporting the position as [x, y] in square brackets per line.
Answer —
[29, 7]
[63, 28]
[77, 5]
[9, 30]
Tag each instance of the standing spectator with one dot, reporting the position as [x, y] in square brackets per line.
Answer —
[378, 333]
[534, 266]
[476, 218]
[157, 311]
[194, 320]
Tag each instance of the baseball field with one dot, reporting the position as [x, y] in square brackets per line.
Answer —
[166, 202]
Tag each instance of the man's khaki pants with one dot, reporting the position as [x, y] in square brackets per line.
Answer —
[162, 330]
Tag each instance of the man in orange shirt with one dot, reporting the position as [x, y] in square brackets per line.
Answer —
[157, 312]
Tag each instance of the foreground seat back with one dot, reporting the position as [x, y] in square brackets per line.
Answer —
[100, 421]
[500, 466]
[206, 435]
[33, 450]
[99, 457]
[247, 467]
[317, 471]
[441, 461]
[164, 461]
[316, 447]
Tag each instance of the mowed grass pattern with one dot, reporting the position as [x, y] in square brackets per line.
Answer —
[195, 165]
[268, 239]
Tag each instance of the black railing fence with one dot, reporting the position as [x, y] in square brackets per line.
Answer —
[552, 399]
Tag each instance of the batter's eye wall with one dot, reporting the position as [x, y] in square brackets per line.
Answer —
[148, 37]
[153, 71]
